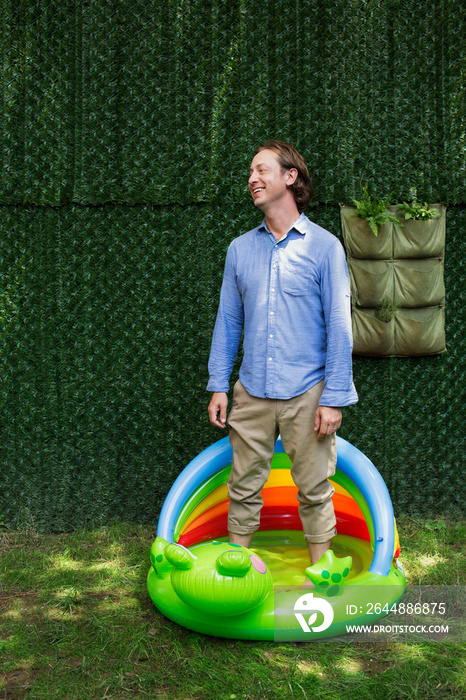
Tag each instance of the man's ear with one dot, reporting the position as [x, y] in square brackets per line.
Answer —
[292, 174]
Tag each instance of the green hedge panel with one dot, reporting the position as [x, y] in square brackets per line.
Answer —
[125, 143]
[156, 103]
[107, 322]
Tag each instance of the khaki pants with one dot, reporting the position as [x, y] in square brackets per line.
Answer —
[254, 427]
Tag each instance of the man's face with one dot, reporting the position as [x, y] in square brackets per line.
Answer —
[267, 181]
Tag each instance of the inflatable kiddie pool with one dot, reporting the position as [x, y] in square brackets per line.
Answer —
[201, 581]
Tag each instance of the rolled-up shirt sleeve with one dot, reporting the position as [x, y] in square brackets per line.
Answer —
[339, 389]
[228, 328]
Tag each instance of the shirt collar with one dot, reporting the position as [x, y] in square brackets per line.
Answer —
[300, 225]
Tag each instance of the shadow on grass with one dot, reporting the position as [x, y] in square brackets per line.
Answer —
[77, 622]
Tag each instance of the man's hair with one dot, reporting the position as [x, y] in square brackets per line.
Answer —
[288, 157]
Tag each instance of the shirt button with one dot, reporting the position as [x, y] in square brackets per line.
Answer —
[270, 336]
[270, 359]
[272, 290]
[271, 313]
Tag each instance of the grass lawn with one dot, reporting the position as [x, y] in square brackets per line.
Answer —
[77, 624]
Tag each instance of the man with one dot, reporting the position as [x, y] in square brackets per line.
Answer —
[287, 282]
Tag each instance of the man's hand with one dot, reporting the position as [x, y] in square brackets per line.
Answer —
[218, 409]
[327, 421]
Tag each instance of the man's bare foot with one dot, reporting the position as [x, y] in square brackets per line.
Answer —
[243, 540]
[316, 551]
[307, 584]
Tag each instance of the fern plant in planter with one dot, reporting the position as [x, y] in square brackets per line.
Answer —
[374, 210]
[419, 212]
[395, 260]
[386, 312]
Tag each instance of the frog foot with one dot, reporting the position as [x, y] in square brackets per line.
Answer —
[329, 573]
[162, 565]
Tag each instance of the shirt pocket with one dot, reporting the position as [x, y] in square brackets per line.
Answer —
[296, 279]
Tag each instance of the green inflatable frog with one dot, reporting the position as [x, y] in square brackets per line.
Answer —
[214, 577]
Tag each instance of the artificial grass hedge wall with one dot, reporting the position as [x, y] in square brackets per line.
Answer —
[126, 136]
[104, 357]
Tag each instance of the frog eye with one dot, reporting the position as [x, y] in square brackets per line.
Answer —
[233, 563]
[180, 557]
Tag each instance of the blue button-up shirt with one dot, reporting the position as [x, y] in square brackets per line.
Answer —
[293, 298]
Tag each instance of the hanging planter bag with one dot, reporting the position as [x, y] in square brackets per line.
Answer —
[397, 284]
